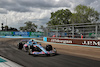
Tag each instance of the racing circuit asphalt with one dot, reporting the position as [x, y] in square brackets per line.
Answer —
[10, 51]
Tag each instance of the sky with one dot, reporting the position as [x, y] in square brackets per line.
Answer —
[15, 12]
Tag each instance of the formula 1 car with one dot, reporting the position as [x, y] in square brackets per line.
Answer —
[36, 49]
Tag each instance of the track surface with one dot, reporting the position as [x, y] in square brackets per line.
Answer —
[10, 51]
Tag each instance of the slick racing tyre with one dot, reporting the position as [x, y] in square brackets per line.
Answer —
[48, 47]
[20, 45]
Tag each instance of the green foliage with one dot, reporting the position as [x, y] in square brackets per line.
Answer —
[30, 27]
[60, 17]
[84, 14]
[6, 28]
[43, 28]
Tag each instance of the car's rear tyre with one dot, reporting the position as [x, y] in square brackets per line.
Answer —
[20, 45]
[48, 47]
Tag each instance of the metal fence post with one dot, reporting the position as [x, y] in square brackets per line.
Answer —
[96, 31]
[72, 31]
[56, 31]
[47, 32]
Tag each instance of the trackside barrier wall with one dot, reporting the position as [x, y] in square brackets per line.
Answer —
[45, 39]
[90, 42]
[6, 33]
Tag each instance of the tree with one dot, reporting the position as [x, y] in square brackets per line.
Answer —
[60, 17]
[6, 28]
[12, 29]
[43, 28]
[30, 27]
[84, 14]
